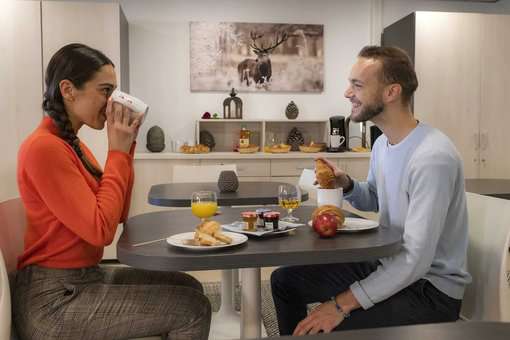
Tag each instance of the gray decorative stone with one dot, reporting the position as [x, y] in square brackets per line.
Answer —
[206, 138]
[228, 181]
[292, 110]
[155, 139]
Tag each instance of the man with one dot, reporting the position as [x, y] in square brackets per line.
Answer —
[416, 184]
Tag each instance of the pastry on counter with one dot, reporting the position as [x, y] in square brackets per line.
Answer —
[278, 148]
[199, 148]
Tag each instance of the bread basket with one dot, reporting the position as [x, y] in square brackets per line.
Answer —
[310, 148]
[252, 148]
[278, 148]
[199, 148]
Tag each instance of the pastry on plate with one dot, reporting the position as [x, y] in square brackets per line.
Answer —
[209, 233]
[330, 209]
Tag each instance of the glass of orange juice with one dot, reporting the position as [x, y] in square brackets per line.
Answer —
[204, 204]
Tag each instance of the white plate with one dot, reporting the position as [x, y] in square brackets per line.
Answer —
[238, 227]
[353, 224]
[182, 240]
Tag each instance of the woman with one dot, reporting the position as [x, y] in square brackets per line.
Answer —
[73, 209]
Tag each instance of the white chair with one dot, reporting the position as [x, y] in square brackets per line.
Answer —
[12, 230]
[487, 298]
[305, 182]
[227, 321]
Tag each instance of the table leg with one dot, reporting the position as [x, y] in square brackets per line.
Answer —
[235, 283]
[227, 308]
[226, 322]
[250, 303]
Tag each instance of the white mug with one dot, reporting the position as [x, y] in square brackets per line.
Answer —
[330, 196]
[133, 103]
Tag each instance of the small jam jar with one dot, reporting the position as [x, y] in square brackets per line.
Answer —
[249, 218]
[260, 217]
[271, 220]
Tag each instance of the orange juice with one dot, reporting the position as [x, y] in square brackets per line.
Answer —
[204, 209]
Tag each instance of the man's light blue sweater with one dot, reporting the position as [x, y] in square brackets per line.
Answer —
[417, 186]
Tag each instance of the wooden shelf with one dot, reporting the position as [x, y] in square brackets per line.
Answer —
[264, 132]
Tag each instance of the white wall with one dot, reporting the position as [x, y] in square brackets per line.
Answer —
[159, 57]
[20, 84]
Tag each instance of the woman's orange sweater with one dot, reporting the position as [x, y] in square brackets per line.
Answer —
[70, 215]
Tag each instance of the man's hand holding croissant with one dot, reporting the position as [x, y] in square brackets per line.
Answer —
[328, 176]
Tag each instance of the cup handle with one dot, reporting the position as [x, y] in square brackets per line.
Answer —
[342, 140]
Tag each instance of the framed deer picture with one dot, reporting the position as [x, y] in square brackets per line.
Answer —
[256, 57]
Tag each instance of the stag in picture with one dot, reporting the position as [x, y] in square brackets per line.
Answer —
[259, 70]
[253, 57]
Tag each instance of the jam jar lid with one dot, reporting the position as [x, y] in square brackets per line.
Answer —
[248, 214]
[272, 214]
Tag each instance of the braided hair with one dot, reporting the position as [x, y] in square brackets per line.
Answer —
[77, 63]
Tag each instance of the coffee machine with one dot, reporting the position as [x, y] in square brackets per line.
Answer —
[337, 134]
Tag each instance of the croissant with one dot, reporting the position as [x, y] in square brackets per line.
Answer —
[209, 233]
[330, 209]
[209, 227]
[324, 174]
[206, 239]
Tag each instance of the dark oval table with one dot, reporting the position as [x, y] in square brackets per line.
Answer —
[248, 193]
[494, 187]
[470, 330]
[303, 246]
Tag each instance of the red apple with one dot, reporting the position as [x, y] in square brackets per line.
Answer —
[325, 224]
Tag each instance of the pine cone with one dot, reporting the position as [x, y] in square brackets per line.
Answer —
[291, 111]
[295, 139]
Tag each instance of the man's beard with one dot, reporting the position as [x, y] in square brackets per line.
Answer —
[368, 113]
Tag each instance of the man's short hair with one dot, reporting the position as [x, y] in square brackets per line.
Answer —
[397, 68]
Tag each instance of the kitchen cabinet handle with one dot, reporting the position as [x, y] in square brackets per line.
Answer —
[476, 140]
[484, 140]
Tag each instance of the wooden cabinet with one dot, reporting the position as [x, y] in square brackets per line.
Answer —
[495, 89]
[100, 25]
[357, 168]
[463, 70]
[20, 84]
[290, 167]
[245, 167]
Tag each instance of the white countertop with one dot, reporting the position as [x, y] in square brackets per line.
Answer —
[257, 155]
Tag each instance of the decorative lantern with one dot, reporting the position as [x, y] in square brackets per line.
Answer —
[238, 106]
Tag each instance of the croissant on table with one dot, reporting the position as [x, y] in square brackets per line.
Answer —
[209, 233]
[330, 209]
[324, 174]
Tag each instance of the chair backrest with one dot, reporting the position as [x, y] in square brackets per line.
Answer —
[199, 173]
[12, 230]
[487, 298]
[305, 182]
